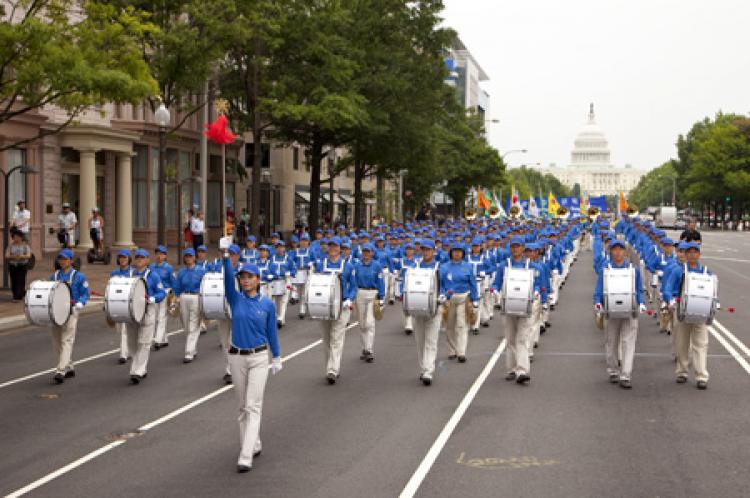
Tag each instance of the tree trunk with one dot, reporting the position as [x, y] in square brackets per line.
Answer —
[257, 147]
[316, 155]
[380, 187]
[358, 199]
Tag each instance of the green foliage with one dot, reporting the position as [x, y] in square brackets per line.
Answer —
[529, 181]
[655, 187]
[50, 56]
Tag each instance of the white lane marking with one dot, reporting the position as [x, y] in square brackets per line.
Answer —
[416, 479]
[726, 259]
[744, 364]
[77, 362]
[732, 337]
[146, 427]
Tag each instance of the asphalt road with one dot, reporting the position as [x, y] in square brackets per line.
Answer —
[569, 433]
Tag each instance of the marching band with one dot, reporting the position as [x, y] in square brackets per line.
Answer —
[450, 277]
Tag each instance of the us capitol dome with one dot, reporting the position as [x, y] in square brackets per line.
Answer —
[590, 164]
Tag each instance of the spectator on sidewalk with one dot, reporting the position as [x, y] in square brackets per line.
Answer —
[691, 233]
[197, 229]
[18, 254]
[68, 223]
[22, 219]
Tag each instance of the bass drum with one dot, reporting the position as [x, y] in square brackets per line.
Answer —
[518, 292]
[698, 298]
[300, 278]
[421, 292]
[125, 300]
[323, 296]
[213, 305]
[47, 303]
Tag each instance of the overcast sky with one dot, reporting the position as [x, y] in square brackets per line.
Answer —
[652, 68]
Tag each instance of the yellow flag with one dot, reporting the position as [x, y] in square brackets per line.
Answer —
[552, 205]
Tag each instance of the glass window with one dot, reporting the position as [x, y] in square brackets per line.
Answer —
[213, 215]
[17, 181]
[214, 165]
[154, 190]
[295, 158]
[184, 169]
[230, 196]
[140, 186]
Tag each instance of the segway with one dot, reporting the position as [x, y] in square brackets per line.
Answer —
[92, 256]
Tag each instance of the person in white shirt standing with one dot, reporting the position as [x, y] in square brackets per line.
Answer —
[22, 219]
[197, 228]
[68, 222]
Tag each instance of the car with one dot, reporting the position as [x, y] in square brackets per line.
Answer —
[680, 224]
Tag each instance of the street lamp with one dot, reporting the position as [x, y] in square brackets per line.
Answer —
[24, 170]
[331, 170]
[162, 119]
[494, 121]
[522, 151]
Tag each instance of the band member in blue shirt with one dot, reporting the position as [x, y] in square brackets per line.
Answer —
[166, 274]
[187, 286]
[458, 288]
[368, 275]
[124, 258]
[253, 333]
[63, 337]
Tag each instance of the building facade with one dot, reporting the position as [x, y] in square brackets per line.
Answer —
[590, 165]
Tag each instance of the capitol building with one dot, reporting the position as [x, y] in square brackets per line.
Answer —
[590, 165]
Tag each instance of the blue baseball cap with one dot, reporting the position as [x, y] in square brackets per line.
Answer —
[336, 241]
[693, 245]
[616, 243]
[141, 253]
[667, 241]
[65, 254]
[251, 238]
[161, 249]
[682, 245]
[428, 244]
[346, 243]
[249, 268]
[264, 247]
[124, 253]
[516, 240]
[275, 235]
[280, 243]
[234, 249]
[202, 248]
[293, 239]
[305, 236]
[189, 252]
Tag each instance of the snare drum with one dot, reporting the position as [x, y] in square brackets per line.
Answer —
[421, 292]
[323, 296]
[300, 278]
[125, 300]
[48, 303]
[213, 305]
[278, 287]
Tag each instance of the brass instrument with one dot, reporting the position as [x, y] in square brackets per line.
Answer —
[593, 213]
[563, 213]
[470, 214]
[377, 311]
[494, 213]
[632, 211]
[514, 212]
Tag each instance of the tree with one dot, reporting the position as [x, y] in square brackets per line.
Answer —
[654, 188]
[528, 181]
[50, 57]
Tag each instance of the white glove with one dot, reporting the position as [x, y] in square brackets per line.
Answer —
[276, 365]
[152, 300]
[663, 306]
[673, 303]
[269, 277]
[718, 305]
[660, 273]
[381, 303]
[347, 304]
[642, 308]
[225, 242]
[79, 306]
[598, 307]
[482, 274]
[287, 274]
[536, 294]
[545, 306]
[475, 304]
[441, 299]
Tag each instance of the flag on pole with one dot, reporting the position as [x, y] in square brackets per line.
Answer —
[533, 208]
[584, 204]
[482, 201]
[499, 205]
[623, 205]
[552, 205]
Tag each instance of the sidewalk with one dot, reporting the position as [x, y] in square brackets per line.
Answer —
[12, 314]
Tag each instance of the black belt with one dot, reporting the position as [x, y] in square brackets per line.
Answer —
[245, 352]
[368, 288]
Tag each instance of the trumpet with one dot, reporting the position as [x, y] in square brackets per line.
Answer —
[514, 212]
[563, 213]
[593, 213]
[632, 211]
[494, 213]
[470, 214]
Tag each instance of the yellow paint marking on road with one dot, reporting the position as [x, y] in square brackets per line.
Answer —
[524, 462]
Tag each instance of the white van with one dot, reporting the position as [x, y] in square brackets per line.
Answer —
[666, 217]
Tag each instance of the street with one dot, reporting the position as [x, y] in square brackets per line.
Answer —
[379, 431]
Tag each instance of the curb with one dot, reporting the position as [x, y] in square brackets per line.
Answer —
[18, 321]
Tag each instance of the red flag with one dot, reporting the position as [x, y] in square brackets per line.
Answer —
[218, 131]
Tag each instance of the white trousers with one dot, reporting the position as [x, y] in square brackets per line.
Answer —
[517, 330]
[190, 316]
[281, 303]
[534, 323]
[457, 327]
[365, 300]
[224, 327]
[160, 330]
[249, 375]
[486, 306]
[334, 332]
[408, 322]
[63, 339]
[123, 333]
[426, 332]
[139, 341]
[621, 335]
[691, 338]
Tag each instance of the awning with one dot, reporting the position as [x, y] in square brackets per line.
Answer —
[347, 198]
[305, 196]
